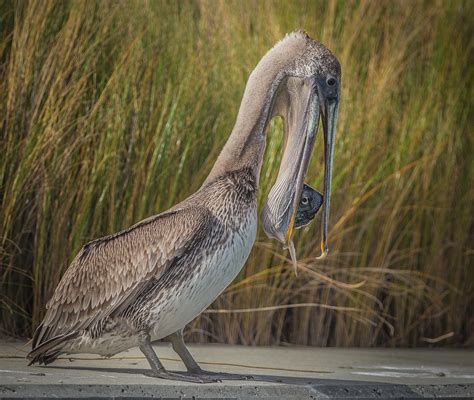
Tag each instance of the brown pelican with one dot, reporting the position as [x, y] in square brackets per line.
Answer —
[147, 282]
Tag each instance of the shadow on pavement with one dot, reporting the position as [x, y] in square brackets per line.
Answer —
[288, 380]
[323, 387]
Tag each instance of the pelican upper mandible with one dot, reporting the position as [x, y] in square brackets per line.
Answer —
[147, 282]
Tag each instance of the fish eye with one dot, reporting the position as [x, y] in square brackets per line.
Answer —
[304, 201]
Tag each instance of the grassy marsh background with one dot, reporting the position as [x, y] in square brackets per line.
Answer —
[114, 111]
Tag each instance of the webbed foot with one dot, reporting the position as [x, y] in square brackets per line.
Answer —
[174, 376]
[221, 376]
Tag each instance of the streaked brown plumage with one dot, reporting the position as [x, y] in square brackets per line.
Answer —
[112, 277]
[148, 281]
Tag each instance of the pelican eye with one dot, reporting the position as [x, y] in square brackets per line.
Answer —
[331, 81]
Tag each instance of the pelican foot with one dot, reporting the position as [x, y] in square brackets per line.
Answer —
[174, 376]
[221, 376]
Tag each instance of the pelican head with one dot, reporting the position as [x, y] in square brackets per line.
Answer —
[308, 90]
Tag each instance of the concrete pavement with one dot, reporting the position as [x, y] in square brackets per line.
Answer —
[279, 372]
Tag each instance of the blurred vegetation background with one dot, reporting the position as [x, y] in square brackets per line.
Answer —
[114, 111]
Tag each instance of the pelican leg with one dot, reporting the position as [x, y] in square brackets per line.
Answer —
[192, 366]
[157, 368]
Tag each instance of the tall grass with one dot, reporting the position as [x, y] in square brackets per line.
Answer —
[114, 111]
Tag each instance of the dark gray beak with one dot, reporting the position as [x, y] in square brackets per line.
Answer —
[329, 105]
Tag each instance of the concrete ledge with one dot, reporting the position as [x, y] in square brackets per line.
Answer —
[339, 390]
[280, 372]
[223, 391]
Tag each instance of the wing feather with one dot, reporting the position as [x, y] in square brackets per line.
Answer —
[107, 272]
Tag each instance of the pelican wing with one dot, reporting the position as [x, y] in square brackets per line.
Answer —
[110, 272]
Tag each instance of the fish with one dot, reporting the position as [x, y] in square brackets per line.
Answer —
[310, 203]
